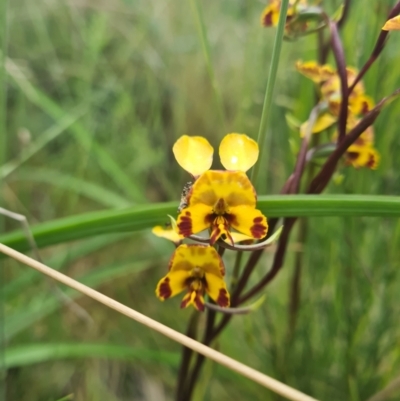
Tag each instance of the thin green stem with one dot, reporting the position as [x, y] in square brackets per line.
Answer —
[201, 27]
[236, 268]
[3, 80]
[269, 91]
[3, 156]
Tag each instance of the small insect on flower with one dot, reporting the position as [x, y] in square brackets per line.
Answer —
[199, 270]
[184, 196]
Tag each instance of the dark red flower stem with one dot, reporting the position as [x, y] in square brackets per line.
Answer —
[345, 13]
[337, 49]
[295, 287]
[317, 185]
[324, 48]
[322, 178]
[277, 263]
[187, 355]
[294, 183]
[380, 44]
[208, 337]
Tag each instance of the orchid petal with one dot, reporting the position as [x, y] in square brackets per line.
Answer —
[194, 154]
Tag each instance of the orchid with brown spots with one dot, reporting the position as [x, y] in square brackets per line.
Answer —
[199, 270]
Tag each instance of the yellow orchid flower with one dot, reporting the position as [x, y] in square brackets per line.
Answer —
[195, 154]
[199, 270]
[316, 72]
[393, 24]
[362, 156]
[323, 121]
[329, 81]
[168, 233]
[270, 14]
[220, 200]
[362, 152]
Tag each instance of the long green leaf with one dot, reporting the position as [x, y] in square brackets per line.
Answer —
[146, 216]
[24, 355]
[91, 190]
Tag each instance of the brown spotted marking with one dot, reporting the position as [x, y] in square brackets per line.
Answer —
[267, 20]
[371, 161]
[165, 289]
[258, 229]
[223, 299]
[185, 225]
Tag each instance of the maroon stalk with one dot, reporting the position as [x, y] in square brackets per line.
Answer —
[338, 53]
[380, 44]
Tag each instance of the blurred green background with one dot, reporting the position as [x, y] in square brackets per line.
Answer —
[97, 93]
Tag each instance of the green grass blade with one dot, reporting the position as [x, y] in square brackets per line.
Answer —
[68, 397]
[201, 27]
[25, 355]
[91, 190]
[86, 225]
[3, 157]
[84, 138]
[269, 91]
[15, 287]
[53, 132]
[143, 217]
[43, 304]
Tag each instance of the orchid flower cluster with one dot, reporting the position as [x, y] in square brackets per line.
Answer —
[304, 18]
[218, 207]
[221, 203]
[301, 18]
[362, 153]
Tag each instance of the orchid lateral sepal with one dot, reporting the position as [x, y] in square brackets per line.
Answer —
[253, 247]
[237, 311]
[320, 151]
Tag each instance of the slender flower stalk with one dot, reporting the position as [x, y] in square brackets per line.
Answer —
[338, 52]
[269, 91]
[380, 44]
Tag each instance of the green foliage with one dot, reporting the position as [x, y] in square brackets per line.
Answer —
[138, 218]
[97, 93]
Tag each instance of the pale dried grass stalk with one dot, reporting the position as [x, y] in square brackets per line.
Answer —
[252, 374]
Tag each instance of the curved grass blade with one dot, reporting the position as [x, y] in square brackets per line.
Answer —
[43, 304]
[53, 132]
[25, 355]
[59, 260]
[143, 217]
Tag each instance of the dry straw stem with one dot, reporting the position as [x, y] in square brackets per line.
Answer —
[384, 394]
[252, 374]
